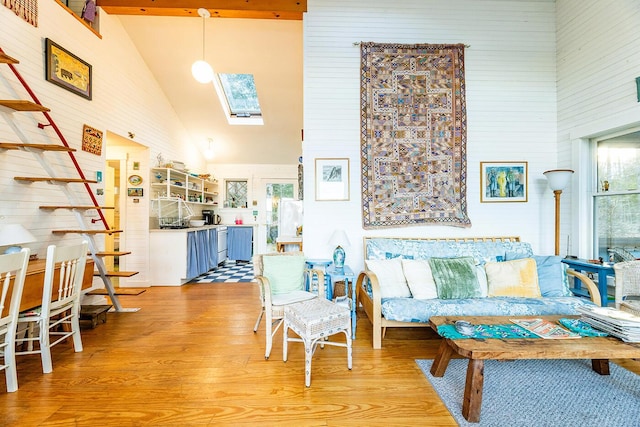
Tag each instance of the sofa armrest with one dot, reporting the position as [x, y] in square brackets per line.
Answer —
[594, 293]
[372, 304]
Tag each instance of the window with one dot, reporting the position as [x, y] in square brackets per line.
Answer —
[239, 98]
[236, 194]
[617, 198]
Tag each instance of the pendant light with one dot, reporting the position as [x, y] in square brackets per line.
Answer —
[201, 70]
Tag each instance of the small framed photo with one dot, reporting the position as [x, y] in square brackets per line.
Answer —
[134, 192]
[503, 182]
[66, 70]
[332, 179]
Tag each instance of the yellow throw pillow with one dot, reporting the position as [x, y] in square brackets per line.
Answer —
[517, 278]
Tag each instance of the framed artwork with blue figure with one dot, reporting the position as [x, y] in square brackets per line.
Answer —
[503, 182]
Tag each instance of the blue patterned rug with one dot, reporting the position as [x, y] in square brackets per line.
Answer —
[229, 272]
[540, 393]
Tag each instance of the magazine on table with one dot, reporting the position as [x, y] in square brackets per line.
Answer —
[545, 329]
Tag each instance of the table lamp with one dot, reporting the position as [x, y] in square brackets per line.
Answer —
[339, 238]
[558, 180]
[14, 235]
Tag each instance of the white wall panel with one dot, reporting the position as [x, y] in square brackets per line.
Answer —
[511, 105]
[598, 60]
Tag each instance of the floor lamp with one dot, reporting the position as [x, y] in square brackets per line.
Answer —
[558, 180]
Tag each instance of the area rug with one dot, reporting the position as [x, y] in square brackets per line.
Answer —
[553, 393]
[228, 273]
[413, 135]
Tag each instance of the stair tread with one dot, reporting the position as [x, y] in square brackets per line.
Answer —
[113, 253]
[6, 59]
[21, 105]
[76, 207]
[86, 231]
[44, 147]
[117, 273]
[42, 179]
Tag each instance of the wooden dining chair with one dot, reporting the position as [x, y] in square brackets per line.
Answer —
[11, 265]
[58, 318]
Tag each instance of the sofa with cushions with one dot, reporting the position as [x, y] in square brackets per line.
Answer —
[408, 280]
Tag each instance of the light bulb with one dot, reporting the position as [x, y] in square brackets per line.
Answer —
[202, 71]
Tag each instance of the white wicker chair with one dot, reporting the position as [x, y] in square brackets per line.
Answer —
[627, 282]
[273, 305]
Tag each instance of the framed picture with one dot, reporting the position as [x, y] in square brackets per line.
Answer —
[66, 70]
[332, 179]
[503, 182]
[134, 192]
[135, 180]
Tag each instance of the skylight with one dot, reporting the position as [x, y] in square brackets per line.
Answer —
[239, 98]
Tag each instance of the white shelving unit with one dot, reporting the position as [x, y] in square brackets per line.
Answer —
[166, 182]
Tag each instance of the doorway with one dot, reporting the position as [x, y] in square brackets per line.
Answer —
[275, 191]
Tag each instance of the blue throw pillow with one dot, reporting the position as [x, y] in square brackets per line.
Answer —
[552, 276]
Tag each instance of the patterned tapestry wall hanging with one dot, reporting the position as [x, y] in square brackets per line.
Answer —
[25, 9]
[413, 142]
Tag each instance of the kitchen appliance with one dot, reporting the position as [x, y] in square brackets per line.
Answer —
[207, 215]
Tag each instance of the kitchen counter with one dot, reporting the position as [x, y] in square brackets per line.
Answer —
[204, 227]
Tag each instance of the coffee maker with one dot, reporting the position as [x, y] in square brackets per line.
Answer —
[207, 215]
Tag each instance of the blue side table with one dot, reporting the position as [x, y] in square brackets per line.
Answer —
[346, 274]
[320, 264]
[601, 270]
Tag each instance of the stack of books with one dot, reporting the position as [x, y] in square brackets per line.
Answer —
[617, 323]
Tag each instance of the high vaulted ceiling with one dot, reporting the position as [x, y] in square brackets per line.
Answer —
[168, 36]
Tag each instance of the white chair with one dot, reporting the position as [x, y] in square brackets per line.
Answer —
[58, 318]
[281, 277]
[11, 265]
[627, 285]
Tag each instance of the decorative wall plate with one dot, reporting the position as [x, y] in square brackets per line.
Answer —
[135, 180]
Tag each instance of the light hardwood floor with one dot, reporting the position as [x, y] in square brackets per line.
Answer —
[190, 357]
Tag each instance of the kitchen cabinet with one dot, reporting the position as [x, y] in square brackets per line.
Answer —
[222, 243]
[240, 242]
[167, 182]
[180, 255]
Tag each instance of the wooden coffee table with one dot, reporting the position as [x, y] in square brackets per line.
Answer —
[598, 349]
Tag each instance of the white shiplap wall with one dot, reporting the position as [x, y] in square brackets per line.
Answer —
[598, 61]
[126, 98]
[511, 105]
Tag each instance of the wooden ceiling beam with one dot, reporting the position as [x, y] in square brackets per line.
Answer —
[251, 9]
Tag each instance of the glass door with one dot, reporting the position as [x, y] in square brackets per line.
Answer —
[274, 192]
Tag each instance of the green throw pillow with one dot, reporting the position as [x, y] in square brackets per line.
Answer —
[285, 273]
[455, 277]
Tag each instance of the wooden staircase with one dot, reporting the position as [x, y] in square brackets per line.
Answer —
[39, 151]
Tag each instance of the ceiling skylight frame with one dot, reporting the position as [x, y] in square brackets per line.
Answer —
[252, 117]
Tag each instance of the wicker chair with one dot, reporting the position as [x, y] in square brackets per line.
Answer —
[273, 302]
[627, 283]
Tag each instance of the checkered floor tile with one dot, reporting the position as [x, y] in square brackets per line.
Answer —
[230, 272]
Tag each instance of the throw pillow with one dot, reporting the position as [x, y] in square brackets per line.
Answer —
[517, 278]
[390, 277]
[419, 278]
[552, 276]
[285, 273]
[455, 277]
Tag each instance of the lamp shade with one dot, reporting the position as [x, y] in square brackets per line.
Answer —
[14, 235]
[339, 238]
[558, 178]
